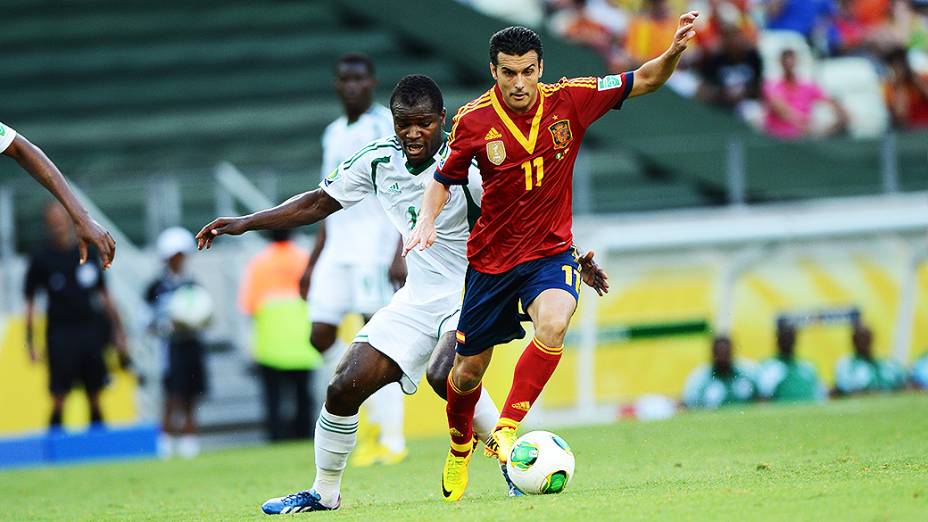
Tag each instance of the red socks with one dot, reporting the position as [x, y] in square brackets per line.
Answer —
[460, 410]
[535, 367]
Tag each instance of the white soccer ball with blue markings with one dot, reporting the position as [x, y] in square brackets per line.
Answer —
[541, 463]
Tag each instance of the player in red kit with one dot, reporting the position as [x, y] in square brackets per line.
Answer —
[524, 136]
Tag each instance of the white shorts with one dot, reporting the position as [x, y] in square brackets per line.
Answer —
[338, 289]
[407, 332]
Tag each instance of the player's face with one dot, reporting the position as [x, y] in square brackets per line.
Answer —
[419, 129]
[517, 78]
[355, 87]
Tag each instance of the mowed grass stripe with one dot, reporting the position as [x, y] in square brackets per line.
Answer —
[858, 459]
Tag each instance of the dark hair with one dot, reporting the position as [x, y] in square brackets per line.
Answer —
[416, 89]
[516, 41]
[356, 59]
[280, 235]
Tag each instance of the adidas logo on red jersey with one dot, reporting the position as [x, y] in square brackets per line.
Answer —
[493, 134]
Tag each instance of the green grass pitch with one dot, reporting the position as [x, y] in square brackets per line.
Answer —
[858, 459]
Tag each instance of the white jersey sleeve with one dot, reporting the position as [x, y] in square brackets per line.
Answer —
[7, 135]
[350, 182]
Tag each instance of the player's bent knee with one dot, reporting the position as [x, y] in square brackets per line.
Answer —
[437, 375]
[342, 396]
[467, 376]
[322, 336]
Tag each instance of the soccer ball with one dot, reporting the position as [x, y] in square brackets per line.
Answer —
[540, 463]
[190, 306]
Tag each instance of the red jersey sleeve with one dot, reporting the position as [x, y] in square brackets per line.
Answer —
[593, 97]
[453, 167]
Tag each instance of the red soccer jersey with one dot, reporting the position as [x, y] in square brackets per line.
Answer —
[527, 164]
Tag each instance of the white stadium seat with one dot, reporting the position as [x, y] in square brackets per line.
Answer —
[854, 83]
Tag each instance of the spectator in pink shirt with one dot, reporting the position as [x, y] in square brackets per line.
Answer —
[789, 104]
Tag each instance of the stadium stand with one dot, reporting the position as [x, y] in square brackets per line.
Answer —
[140, 88]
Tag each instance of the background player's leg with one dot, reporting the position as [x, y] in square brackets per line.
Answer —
[57, 410]
[323, 335]
[485, 412]
[385, 408]
[270, 381]
[550, 312]
[302, 420]
[362, 371]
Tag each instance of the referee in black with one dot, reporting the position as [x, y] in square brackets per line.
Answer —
[80, 320]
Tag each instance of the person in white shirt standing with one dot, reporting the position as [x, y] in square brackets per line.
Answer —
[355, 265]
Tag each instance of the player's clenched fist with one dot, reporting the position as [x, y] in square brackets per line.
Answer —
[217, 227]
[685, 32]
[422, 235]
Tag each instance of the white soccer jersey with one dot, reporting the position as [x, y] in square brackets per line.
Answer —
[7, 135]
[380, 169]
[360, 236]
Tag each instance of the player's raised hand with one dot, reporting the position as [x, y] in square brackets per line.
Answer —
[593, 276]
[90, 232]
[423, 235]
[685, 32]
[230, 226]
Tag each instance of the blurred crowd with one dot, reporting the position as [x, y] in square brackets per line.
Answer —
[774, 61]
[785, 377]
[773, 90]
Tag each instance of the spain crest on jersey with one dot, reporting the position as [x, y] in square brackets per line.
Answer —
[496, 152]
[560, 133]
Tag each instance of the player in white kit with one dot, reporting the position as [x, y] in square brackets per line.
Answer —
[37, 164]
[416, 330]
[356, 263]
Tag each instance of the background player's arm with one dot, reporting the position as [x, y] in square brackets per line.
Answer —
[318, 245]
[654, 73]
[434, 200]
[37, 164]
[302, 209]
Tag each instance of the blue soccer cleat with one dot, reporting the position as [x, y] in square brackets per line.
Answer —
[513, 490]
[307, 500]
[491, 449]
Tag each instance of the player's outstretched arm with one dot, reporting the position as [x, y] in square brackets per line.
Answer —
[434, 200]
[36, 163]
[302, 209]
[654, 73]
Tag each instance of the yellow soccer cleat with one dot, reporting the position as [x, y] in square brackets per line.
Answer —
[505, 439]
[454, 474]
[368, 449]
[377, 454]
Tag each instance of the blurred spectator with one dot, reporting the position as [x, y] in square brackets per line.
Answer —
[717, 16]
[785, 377]
[81, 317]
[270, 294]
[919, 375]
[172, 296]
[813, 19]
[721, 383]
[906, 93]
[594, 23]
[790, 101]
[649, 31]
[731, 73]
[862, 372]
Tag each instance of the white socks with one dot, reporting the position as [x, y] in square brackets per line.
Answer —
[485, 416]
[385, 409]
[335, 438]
